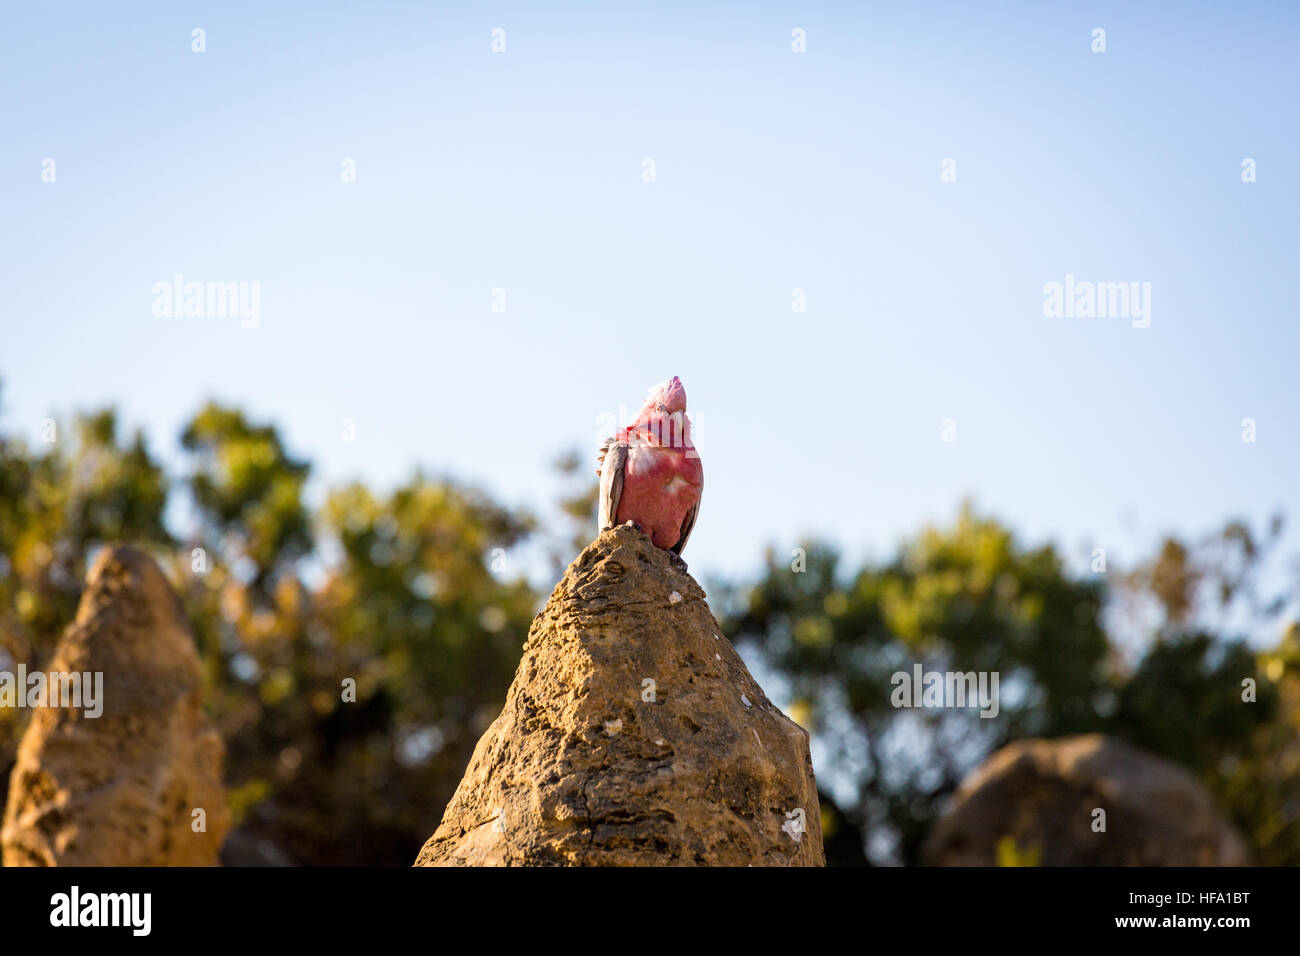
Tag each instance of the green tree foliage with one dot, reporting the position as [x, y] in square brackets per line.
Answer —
[960, 599]
[1229, 713]
[349, 704]
[248, 489]
[1260, 779]
[970, 598]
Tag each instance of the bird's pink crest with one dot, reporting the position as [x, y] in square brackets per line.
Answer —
[671, 394]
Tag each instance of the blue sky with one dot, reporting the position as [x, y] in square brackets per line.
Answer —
[774, 170]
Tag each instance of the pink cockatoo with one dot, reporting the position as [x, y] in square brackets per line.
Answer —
[650, 472]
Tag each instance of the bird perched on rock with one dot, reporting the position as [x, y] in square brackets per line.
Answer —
[650, 472]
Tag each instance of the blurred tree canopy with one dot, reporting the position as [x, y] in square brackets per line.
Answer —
[969, 598]
[356, 648]
[955, 600]
[406, 607]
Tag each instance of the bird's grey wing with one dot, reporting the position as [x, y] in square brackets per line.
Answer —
[600, 455]
[688, 524]
[613, 458]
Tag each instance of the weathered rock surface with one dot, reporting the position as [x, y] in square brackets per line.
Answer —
[119, 790]
[634, 735]
[1040, 795]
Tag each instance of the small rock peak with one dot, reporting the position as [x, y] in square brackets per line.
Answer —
[124, 787]
[621, 743]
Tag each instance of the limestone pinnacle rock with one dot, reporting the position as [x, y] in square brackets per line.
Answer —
[1037, 800]
[633, 735]
[122, 788]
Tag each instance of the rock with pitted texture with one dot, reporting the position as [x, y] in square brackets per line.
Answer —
[633, 735]
[1035, 802]
[121, 789]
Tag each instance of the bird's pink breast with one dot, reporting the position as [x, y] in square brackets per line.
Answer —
[660, 485]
